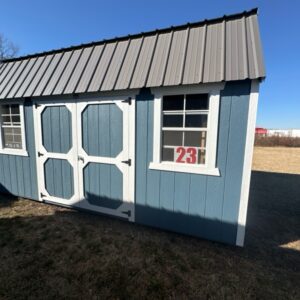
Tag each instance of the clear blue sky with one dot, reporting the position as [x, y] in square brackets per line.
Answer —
[37, 25]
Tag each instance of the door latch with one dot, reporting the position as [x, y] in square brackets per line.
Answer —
[127, 162]
[127, 212]
[128, 100]
[80, 158]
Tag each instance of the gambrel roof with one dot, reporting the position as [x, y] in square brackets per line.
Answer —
[223, 49]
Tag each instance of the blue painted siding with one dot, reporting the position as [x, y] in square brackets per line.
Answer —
[205, 206]
[18, 173]
[102, 126]
[59, 178]
[103, 185]
[57, 129]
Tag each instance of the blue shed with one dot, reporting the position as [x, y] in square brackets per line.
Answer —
[155, 128]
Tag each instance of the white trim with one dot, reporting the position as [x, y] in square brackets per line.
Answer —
[12, 151]
[212, 128]
[17, 152]
[184, 168]
[244, 197]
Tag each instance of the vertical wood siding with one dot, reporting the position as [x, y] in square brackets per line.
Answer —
[205, 206]
[18, 173]
[57, 129]
[59, 178]
[103, 185]
[102, 133]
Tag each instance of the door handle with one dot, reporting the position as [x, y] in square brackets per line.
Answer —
[80, 158]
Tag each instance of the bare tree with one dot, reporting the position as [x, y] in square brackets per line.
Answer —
[7, 48]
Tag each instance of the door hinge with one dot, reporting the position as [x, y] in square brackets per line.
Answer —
[40, 154]
[43, 195]
[127, 162]
[128, 100]
[127, 212]
[37, 105]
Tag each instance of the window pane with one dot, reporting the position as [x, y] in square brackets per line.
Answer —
[195, 138]
[172, 120]
[17, 138]
[16, 119]
[173, 102]
[7, 131]
[6, 120]
[15, 109]
[4, 109]
[16, 131]
[201, 156]
[196, 121]
[172, 138]
[197, 102]
[167, 154]
[8, 138]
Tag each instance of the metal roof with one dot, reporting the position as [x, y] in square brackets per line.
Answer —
[222, 49]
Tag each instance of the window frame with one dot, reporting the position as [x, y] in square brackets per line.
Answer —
[209, 168]
[11, 151]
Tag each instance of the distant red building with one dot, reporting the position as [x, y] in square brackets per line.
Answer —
[261, 131]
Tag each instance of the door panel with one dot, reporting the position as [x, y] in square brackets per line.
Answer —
[57, 129]
[103, 185]
[59, 178]
[57, 161]
[104, 151]
[102, 133]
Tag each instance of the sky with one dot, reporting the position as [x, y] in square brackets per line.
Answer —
[38, 25]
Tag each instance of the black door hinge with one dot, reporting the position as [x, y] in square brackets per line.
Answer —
[128, 100]
[127, 162]
[40, 154]
[37, 105]
[128, 213]
[43, 195]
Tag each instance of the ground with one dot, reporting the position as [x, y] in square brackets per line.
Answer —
[48, 252]
[277, 159]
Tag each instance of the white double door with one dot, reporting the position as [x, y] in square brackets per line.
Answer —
[85, 154]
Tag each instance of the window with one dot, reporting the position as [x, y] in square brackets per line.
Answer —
[185, 130]
[12, 135]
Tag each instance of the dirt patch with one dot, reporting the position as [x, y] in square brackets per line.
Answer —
[277, 159]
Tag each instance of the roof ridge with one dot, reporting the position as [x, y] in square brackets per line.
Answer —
[130, 36]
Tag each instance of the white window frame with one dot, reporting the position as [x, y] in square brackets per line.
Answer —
[11, 151]
[209, 168]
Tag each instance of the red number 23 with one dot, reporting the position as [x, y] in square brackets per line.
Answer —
[191, 157]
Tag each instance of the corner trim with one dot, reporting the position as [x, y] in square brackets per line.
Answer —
[244, 197]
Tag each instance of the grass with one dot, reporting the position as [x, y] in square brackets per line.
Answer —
[49, 252]
[277, 159]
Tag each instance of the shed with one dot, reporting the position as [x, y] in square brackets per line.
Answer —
[155, 128]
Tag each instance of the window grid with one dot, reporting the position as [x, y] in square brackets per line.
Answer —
[11, 128]
[184, 112]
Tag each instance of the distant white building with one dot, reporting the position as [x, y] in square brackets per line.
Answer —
[284, 132]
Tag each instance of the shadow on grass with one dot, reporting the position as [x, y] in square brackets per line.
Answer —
[64, 253]
[6, 198]
[273, 220]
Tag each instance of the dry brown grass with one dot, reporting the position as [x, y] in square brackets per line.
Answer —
[49, 252]
[277, 159]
